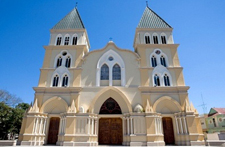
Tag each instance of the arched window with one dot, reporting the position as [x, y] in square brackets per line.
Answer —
[67, 40]
[59, 40]
[166, 80]
[116, 72]
[110, 106]
[65, 81]
[163, 39]
[104, 72]
[156, 80]
[59, 62]
[55, 81]
[147, 39]
[155, 39]
[68, 60]
[74, 41]
[154, 62]
[163, 61]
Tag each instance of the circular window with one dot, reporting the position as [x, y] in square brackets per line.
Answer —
[157, 52]
[64, 53]
[110, 58]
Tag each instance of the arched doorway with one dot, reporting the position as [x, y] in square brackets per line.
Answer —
[110, 129]
[53, 130]
[168, 131]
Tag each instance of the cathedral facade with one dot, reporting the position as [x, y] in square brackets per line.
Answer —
[111, 96]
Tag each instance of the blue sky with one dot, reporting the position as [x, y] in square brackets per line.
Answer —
[199, 28]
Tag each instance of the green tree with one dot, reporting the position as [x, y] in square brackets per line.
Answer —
[5, 120]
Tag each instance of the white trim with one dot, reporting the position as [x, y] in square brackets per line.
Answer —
[117, 59]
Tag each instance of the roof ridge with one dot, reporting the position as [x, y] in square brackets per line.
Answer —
[150, 19]
[71, 21]
[159, 16]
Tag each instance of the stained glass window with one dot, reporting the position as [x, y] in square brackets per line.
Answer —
[116, 72]
[110, 106]
[104, 72]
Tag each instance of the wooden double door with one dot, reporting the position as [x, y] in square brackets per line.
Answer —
[110, 131]
[53, 130]
[168, 131]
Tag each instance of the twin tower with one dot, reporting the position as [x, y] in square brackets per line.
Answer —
[111, 96]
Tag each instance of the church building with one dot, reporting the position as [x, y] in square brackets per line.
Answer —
[111, 96]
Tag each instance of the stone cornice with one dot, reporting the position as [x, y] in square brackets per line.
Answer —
[171, 89]
[57, 89]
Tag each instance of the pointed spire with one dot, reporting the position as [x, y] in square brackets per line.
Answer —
[70, 21]
[150, 19]
[34, 108]
[72, 108]
[148, 108]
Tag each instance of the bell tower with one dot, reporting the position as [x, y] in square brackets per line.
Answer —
[162, 87]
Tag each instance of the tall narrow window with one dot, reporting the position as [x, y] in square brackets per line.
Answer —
[74, 40]
[55, 81]
[155, 38]
[59, 62]
[214, 122]
[147, 39]
[104, 72]
[67, 40]
[68, 61]
[59, 40]
[166, 80]
[116, 72]
[163, 38]
[154, 62]
[156, 80]
[163, 61]
[65, 81]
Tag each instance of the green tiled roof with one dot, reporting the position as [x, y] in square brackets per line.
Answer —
[70, 21]
[150, 19]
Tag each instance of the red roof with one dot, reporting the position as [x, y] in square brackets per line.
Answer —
[220, 110]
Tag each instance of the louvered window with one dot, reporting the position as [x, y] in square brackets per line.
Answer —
[67, 40]
[74, 40]
[59, 40]
[147, 39]
[163, 38]
[155, 38]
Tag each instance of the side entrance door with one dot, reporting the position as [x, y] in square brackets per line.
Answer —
[53, 130]
[168, 131]
[110, 131]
